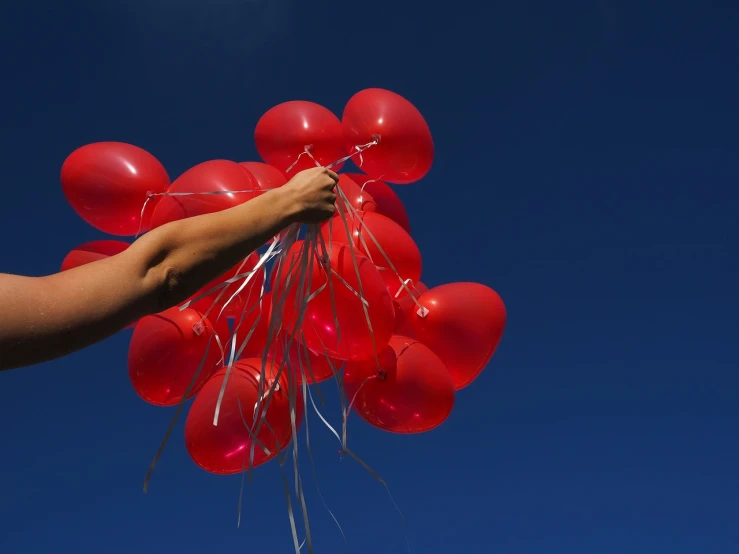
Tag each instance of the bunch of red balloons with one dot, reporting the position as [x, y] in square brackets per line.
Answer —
[347, 303]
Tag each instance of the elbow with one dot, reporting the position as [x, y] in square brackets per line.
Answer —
[174, 272]
[164, 280]
[170, 289]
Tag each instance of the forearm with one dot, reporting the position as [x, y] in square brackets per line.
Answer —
[196, 250]
[47, 317]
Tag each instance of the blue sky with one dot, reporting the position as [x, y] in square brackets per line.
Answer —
[587, 167]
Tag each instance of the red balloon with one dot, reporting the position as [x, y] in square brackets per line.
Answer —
[226, 448]
[92, 252]
[267, 176]
[249, 293]
[464, 325]
[405, 307]
[284, 131]
[406, 150]
[353, 339]
[211, 176]
[317, 366]
[258, 318]
[166, 351]
[107, 183]
[410, 392]
[239, 309]
[358, 199]
[384, 200]
[398, 245]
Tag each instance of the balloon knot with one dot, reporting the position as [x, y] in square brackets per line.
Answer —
[376, 138]
[198, 328]
[422, 312]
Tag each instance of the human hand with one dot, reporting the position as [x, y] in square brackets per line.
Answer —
[313, 194]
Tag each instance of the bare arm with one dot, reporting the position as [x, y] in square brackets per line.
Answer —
[47, 317]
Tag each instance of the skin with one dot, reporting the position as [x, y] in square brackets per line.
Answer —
[48, 317]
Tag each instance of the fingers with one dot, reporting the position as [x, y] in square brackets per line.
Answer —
[332, 197]
[333, 176]
[334, 180]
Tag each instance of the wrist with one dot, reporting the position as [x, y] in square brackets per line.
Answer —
[288, 206]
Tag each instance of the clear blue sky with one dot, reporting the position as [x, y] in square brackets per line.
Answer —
[587, 169]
